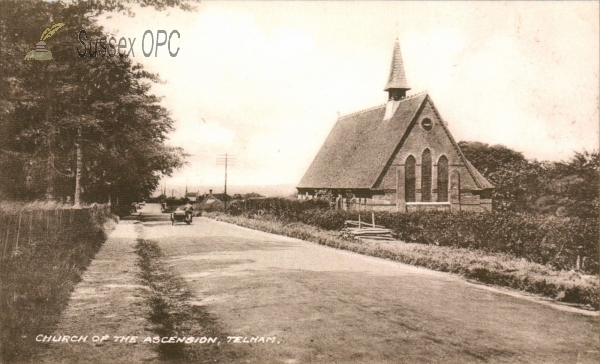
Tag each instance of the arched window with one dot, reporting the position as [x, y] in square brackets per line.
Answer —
[409, 179]
[426, 176]
[442, 179]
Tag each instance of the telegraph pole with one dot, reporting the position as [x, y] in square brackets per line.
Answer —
[225, 160]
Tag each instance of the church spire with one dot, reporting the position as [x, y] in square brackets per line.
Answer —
[397, 85]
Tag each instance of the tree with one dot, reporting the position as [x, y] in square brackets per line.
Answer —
[574, 186]
[513, 176]
[568, 188]
[89, 116]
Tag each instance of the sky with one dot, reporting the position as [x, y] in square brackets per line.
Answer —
[265, 81]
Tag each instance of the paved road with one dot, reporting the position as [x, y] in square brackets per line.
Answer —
[331, 306]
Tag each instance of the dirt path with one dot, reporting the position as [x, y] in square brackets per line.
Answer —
[108, 301]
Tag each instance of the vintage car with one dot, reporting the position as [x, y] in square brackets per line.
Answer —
[182, 215]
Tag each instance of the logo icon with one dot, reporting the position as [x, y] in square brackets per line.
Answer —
[40, 53]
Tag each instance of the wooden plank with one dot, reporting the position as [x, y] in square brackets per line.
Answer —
[372, 234]
[356, 223]
[387, 238]
[370, 230]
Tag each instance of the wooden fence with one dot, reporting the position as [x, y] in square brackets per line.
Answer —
[19, 229]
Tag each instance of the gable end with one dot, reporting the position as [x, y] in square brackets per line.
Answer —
[391, 158]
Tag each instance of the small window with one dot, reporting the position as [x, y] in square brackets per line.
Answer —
[427, 124]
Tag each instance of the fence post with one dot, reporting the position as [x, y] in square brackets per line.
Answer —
[18, 230]
[69, 213]
[6, 236]
[30, 222]
[578, 261]
[1, 234]
[56, 221]
[47, 215]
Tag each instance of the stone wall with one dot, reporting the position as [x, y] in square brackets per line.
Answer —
[424, 206]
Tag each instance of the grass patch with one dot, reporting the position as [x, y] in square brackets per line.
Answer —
[489, 268]
[173, 315]
[36, 281]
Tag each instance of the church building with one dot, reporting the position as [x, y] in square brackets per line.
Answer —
[399, 156]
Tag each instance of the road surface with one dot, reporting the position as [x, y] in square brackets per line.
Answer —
[330, 306]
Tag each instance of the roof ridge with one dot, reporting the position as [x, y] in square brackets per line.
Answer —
[360, 111]
[382, 105]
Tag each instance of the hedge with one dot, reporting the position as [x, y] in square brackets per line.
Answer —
[541, 239]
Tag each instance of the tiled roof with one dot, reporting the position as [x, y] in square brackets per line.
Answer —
[359, 147]
[361, 111]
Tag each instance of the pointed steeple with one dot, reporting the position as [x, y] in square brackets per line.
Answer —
[397, 85]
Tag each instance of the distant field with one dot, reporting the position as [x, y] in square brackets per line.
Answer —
[265, 190]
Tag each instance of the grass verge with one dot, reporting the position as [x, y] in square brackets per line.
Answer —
[489, 268]
[37, 281]
[173, 315]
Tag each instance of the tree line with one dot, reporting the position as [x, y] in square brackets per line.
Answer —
[88, 128]
[568, 188]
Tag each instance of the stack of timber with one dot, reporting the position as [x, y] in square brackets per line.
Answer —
[364, 230]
